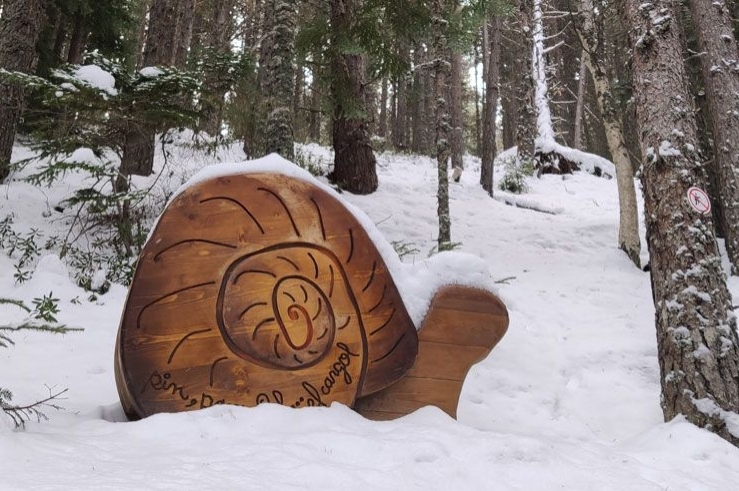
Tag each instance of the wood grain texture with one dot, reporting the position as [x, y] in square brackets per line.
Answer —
[461, 328]
[259, 288]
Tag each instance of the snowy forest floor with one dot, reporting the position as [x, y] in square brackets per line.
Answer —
[568, 400]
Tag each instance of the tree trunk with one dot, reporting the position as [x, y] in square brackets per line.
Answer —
[77, 41]
[696, 327]
[478, 120]
[183, 37]
[145, 7]
[20, 26]
[217, 36]
[355, 167]
[400, 130]
[314, 125]
[455, 111]
[508, 81]
[580, 103]
[418, 143]
[443, 128]
[712, 23]
[382, 124]
[138, 148]
[490, 107]
[526, 131]
[279, 77]
[628, 231]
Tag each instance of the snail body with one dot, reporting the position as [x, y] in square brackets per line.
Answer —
[259, 288]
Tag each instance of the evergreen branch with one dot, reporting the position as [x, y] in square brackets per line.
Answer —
[22, 414]
[17, 303]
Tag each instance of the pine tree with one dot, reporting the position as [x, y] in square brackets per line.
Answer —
[490, 106]
[594, 57]
[720, 61]
[523, 67]
[355, 166]
[696, 327]
[278, 76]
[20, 25]
[160, 50]
[440, 51]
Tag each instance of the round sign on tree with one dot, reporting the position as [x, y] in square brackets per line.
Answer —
[699, 200]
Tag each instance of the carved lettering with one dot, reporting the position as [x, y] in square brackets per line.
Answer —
[314, 395]
[164, 383]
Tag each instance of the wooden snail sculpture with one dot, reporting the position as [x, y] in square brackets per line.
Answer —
[258, 287]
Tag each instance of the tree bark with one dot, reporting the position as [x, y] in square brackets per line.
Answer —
[355, 167]
[580, 103]
[314, 124]
[440, 49]
[279, 77]
[382, 124]
[526, 131]
[455, 111]
[712, 23]
[490, 108]
[77, 41]
[144, 7]
[400, 130]
[20, 26]
[628, 231]
[508, 103]
[183, 37]
[696, 327]
[418, 142]
[219, 26]
[138, 148]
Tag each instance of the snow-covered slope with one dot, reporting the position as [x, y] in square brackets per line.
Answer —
[568, 400]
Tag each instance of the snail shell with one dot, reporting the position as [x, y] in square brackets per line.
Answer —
[259, 288]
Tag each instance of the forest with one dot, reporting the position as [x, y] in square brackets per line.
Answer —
[498, 95]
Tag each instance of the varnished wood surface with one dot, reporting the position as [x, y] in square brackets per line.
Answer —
[461, 328]
[259, 288]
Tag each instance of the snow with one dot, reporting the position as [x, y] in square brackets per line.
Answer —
[97, 78]
[150, 72]
[568, 400]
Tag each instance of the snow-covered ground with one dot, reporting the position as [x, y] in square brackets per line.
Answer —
[568, 400]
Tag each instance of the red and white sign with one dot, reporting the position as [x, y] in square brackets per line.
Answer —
[699, 200]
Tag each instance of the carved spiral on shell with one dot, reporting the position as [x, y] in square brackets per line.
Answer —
[276, 307]
[254, 288]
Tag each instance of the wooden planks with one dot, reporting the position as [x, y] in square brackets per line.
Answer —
[461, 328]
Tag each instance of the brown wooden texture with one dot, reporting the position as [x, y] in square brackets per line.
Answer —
[461, 328]
[259, 288]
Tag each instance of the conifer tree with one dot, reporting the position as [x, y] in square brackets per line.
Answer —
[355, 166]
[440, 50]
[20, 25]
[278, 76]
[696, 327]
[160, 50]
[720, 61]
[594, 57]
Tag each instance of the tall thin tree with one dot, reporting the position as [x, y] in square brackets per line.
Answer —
[490, 106]
[594, 57]
[278, 76]
[440, 51]
[720, 60]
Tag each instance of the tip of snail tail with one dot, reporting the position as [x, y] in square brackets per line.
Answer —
[461, 328]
